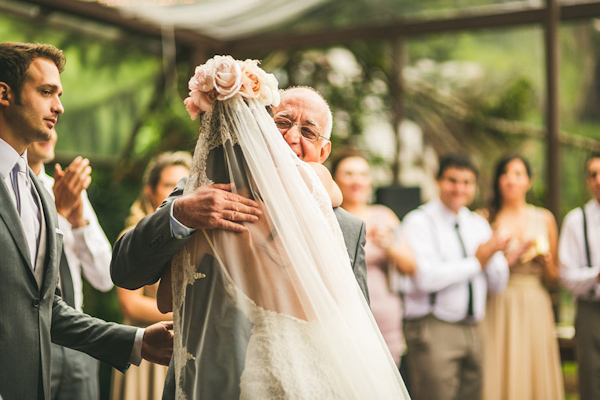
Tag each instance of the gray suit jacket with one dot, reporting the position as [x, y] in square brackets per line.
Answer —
[31, 317]
[140, 257]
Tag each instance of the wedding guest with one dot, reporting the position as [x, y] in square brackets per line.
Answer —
[139, 306]
[521, 357]
[33, 315]
[387, 252]
[579, 254]
[459, 259]
[87, 252]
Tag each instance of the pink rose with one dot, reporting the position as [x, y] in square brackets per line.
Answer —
[204, 77]
[203, 100]
[191, 108]
[228, 77]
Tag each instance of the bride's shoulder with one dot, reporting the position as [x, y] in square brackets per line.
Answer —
[321, 170]
[326, 179]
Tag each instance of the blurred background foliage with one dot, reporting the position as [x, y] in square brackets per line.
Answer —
[478, 91]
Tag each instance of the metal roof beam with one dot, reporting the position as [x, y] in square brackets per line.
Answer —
[482, 18]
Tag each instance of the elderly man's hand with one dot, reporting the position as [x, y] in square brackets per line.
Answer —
[214, 206]
[157, 345]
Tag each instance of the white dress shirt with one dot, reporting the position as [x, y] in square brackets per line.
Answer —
[30, 214]
[8, 159]
[575, 273]
[87, 249]
[442, 268]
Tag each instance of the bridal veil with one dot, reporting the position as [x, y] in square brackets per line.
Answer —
[274, 312]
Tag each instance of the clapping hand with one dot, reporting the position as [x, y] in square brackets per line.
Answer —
[68, 185]
[543, 259]
[486, 250]
[520, 253]
[157, 345]
[381, 237]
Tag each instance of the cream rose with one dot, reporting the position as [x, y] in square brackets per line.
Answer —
[228, 77]
[251, 79]
[269, 93]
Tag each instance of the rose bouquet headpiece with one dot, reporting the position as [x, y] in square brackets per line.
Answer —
[223, 77]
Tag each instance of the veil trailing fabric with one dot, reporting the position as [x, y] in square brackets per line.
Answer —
[275, 312]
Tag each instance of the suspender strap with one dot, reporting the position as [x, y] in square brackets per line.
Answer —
[585, 238]
[432, 296]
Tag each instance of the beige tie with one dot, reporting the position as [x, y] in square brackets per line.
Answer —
[29, 211]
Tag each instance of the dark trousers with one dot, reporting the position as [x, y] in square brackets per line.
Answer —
[587, 337]
[74, 375]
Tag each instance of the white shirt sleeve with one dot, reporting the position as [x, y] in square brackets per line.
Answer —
[178, 230]
[93, 249]
[575, 274]
[136, 352]
[496, 273]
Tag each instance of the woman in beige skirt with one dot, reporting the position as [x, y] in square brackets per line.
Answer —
[139, 306]
[521, 356]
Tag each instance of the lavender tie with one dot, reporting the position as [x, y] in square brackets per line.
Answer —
[27, 207]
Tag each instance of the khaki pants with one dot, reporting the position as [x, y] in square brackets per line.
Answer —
[444, 359]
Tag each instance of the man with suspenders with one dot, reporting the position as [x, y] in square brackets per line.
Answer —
[579, 254]
[458, 261]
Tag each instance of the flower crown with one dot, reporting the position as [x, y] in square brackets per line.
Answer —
[222, 78]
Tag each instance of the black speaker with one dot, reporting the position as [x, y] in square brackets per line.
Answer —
[399, 198]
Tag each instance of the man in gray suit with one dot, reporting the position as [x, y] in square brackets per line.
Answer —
[30, 243]
[140, 256]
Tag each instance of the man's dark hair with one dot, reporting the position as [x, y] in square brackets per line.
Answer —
[592, 156]
[456, 160]
[15, 59]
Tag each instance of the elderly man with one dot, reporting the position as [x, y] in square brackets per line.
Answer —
[140, 256]
[579, 253]
[31, 242]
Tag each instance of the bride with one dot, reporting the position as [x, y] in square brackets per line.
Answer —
[273, 312]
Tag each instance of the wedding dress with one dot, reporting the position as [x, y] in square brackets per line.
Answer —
[286, 355]
[274, 312]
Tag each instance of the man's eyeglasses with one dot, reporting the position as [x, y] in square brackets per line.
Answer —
[307, 132]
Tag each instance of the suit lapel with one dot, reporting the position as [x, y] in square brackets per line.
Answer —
[11, 218]
[48, 214]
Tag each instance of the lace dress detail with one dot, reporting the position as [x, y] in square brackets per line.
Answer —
[285, 358]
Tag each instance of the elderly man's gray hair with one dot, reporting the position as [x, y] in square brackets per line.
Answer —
[329, 123]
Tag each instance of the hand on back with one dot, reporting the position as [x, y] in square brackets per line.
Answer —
[215, 206]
